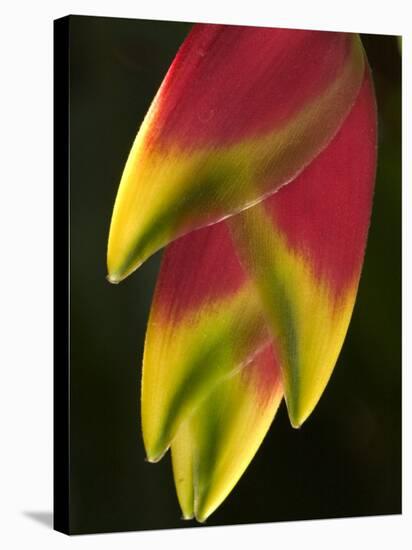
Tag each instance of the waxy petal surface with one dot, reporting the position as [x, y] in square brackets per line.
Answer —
[304, 249]
[214, 446]
[241, 112]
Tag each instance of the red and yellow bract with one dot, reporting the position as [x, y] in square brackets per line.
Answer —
[258, 155]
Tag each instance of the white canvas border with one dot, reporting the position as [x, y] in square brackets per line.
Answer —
[26, 246]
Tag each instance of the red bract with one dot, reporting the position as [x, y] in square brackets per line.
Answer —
[241, 112]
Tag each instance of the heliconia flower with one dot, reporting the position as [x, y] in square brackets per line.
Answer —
[258, 155]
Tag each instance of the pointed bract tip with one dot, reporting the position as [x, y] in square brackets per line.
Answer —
[296, 418]
[202, 517]
[116, 275]
[113, 279]
[296, 425]
[204, 508]
[188, 517]
[153, 458]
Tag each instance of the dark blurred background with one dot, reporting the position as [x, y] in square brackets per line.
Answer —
[346, 460]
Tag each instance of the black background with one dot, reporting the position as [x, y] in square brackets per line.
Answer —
[346, 460]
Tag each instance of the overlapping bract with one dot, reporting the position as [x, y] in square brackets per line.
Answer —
[215, 444]
[254, 300]
[241, 111]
